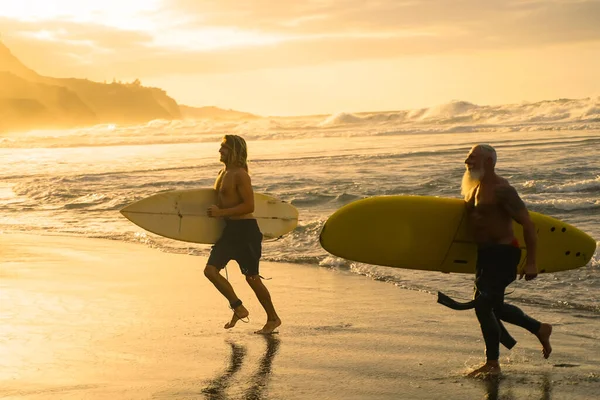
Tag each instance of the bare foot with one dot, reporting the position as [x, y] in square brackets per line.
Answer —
[544, 336]
[269, 327]
[238, 313]
[490, 368]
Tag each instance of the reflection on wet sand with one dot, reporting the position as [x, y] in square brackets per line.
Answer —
[217, 387]
[493, 383]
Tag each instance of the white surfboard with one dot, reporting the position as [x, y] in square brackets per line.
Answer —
[181, 215]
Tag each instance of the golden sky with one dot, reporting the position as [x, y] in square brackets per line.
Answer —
[286, 57]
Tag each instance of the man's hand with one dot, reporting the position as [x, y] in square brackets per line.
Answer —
[530, 271]
[214, 211]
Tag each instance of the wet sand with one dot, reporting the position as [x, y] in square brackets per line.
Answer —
[100, 319]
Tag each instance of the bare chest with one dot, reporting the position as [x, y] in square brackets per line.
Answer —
[484, 203]
[484, 195]
[226, 187]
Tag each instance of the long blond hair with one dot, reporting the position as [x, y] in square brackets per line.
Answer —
[238, 151]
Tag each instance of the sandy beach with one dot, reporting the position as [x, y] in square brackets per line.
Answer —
[101, 319]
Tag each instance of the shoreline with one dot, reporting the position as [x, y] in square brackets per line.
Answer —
[99, 318]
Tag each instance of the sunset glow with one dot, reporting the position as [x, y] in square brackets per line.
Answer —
[120, 14]
[275, 58]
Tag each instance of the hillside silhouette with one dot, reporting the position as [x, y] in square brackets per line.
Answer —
[212, 112]
[31, 101]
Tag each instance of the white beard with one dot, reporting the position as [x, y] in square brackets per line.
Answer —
[470, 181]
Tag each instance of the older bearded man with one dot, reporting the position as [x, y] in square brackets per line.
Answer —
[492, 204]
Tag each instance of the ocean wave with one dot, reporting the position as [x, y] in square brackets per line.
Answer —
[451, 111]
[565, 204]
[311, 198]
[45, 190]
[305, 237]
[455, 116]
[345, 198]
[341, 119]
[583, 186]
[458, 111]
[595, 260]
[392, 129]
[334, 262]
[87, 201]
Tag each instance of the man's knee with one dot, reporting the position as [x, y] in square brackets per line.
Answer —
[253, 280]
[486, 302]
[211, 272]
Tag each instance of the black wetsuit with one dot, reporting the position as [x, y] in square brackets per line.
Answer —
[241, 241]
[496, 269]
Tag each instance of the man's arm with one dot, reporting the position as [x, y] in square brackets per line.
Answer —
[219, 179]
[510, 199]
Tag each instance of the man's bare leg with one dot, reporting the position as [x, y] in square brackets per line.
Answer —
[223, 286]
[490, 368]
[263, 295]
[544, 336]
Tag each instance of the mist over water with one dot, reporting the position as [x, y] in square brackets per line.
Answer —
[75, 182]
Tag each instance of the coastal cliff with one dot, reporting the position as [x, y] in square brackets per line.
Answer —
[32, 101]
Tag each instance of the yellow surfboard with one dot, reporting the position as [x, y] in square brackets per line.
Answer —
[430, 233]
[181, 215]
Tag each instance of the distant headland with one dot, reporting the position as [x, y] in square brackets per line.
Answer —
[32, 101]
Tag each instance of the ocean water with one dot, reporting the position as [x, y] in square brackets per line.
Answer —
[74, 182]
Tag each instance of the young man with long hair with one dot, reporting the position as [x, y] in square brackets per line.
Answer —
[241, 239]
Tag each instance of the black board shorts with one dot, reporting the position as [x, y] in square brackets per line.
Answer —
[241, 241]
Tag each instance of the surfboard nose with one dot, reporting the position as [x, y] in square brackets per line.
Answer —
[588, 248]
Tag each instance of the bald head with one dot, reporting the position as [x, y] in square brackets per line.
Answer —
[480, 162]
[486, 152]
